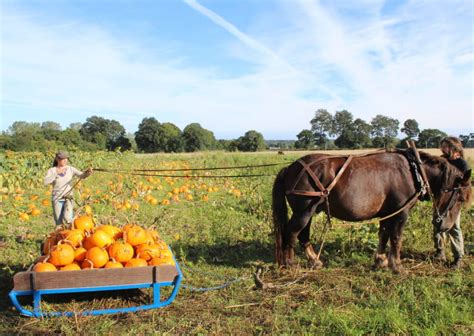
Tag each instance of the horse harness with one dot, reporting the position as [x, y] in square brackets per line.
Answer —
[420, 180]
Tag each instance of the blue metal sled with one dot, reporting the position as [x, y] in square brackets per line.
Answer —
[37, 285]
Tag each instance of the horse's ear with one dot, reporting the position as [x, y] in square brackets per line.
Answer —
[467, 176]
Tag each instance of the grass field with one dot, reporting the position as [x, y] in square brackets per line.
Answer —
[220, 230]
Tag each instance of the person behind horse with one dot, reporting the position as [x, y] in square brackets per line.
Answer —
[60, 176]
[453, 151]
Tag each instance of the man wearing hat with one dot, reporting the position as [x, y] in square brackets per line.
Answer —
[60, 176]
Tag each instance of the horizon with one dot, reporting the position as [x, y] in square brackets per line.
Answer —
[236, 66]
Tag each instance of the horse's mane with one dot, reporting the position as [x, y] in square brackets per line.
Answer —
[432, 159]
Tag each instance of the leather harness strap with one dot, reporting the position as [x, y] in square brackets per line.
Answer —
[323, 191]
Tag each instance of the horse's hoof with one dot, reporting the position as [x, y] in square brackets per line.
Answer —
[315, 264]
[290, 263]
[396, 268]
[380, 263]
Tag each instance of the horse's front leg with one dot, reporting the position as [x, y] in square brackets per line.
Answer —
[303, 237]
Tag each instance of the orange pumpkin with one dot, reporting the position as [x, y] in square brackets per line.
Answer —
[148, 251]
[101, 239]
[135, 235]
[122, 252]
[61, 255]
[97, 256]
[152, 236]
[162, 260]
[35, 212]
[71, 267]
[128, 226]
[50, 241]
[87, 264]
[112, 231]
[87, 243]
[166, 252]
[136, 262]
[113, 264]
[44, 267]
[80, 254]
[73, 237]
[84, 223]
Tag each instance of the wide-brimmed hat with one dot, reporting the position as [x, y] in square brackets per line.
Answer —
[62, 155]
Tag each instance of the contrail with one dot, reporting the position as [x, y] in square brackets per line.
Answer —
[247, 40]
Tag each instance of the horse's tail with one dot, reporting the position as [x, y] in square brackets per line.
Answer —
[280, 213]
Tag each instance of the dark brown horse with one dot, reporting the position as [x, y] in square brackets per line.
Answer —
[377, 185]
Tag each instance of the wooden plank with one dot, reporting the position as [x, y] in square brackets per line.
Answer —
[94, 277]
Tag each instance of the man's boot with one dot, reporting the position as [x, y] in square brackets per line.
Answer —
[457, 263]
[440, 256]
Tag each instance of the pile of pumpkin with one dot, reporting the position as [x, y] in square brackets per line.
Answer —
[84, 246]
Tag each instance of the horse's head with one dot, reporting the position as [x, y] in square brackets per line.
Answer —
[454, 191]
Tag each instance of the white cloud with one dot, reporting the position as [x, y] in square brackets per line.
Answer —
[400, 65]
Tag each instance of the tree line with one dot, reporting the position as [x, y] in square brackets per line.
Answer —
[342, 131]
[327, 131]
[98, 133]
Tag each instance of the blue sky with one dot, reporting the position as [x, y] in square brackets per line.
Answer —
[235, 66]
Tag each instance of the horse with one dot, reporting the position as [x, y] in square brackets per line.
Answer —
[385, 185]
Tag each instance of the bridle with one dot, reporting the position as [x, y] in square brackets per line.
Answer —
[452, 200]
[440, 216]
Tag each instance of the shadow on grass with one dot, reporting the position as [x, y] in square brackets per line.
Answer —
[240, 254]
[6, 285]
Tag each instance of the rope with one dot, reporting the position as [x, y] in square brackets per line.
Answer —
[151, 172]
[191, 169]
[67, 194]
[186, 176]
[207, 289]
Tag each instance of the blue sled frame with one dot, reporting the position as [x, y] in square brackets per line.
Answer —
[39, 284]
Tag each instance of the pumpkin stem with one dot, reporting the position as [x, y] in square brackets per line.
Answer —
[90, 263]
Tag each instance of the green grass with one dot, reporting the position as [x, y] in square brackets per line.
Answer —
[229, 237]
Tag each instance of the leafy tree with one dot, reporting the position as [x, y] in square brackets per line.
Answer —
[122, 143]
[169, 138]
[410, 128]
[72, 137]
[51, 134]
[305, 139]
[146, 136]
[346, 139]
[6, 142]
[430, 138]
[322, 126]
[104, 132]
[467, 140]
[24, 127]
[51, 125]
[252, 141]
[362, 134]
[75, 126]
[342, 121]
[384, 130]
[196, 138]
[343, 127]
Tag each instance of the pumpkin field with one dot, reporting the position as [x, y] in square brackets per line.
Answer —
[218, 224]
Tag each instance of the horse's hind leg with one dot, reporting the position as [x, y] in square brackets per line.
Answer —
[303, 237]
[299, 220]
[381, 253]
[396, 229]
